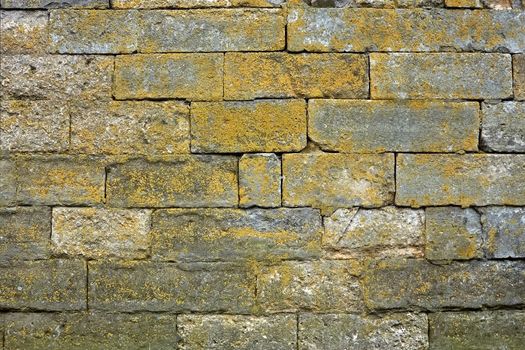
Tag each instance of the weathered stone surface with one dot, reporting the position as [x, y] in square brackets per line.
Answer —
[93, 31]
[186, 76]
[149, 286]
[361, 30]
[55, 77]
[504, 231]
[321, 286]
[503, 127]
[409, 283]
[499, 4]
[23, 32]
[7, 182]
[453, 233]
[251, 126]
[60, 180]
[44, 4]
[33, 126]
[223, 332]
[477, 330]
[53, 285]
[440, 76]
[99, 233]
[470, 179]
[179, 181]
[463, 3]
[340, 331]
[253, 75]
[260, 180]
[90, 331]
[518, 64]
[130, 127]
[234, 234]
[407, 126]
[349, 231]
[213, 30]
[338, 180]
[24, 233]
[151, 4]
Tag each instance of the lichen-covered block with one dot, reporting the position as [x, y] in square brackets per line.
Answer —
[7, 182]
[260, 180]
[518, 65]
[465, 180]
[452, 233]
[130, 127]
[251, 126]
[477, 330]
[320, 286]
[440, 76]
[338, 180]
[228, 332]
[404, 331]
[60, 180]
[212, 30]
[503, 127]
[418, 284]
[55, 77]
[33, 126]
[192, 76]
[366, 126]
[178, 181]
[91, 330]
[362, 30]
[279, 74]
[234, 234]
[99, 233]
[23, 32]
[149, 286]
[94, 31]
[24, 233]
[351, 231]
[463, 4]
[51, 285]
[152, 4]
[45, 4]
[504, 231]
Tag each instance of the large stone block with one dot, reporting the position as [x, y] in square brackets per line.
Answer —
[151, 4]
[234, 234]
[260, 180]
[503, 127]
[251, 126]
[518, 65]
[504, 231]
[471, 179]
[7, 182]
[23, 32]
[45, 4]
[278, 75]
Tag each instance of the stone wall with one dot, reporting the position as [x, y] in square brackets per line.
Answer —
[262, 174]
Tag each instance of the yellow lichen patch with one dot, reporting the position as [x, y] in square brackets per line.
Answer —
[260, 180]
[23, 32]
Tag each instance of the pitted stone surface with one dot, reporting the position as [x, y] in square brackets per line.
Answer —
[503, 127]
[260, 180]
[504, 232]
[23, 32]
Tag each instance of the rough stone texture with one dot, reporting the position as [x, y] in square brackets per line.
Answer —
[453, 233]
[340, 331]
[463, 3]
[213, 30]
[55, 77]
[415, 30]
[418, 284]
[348, 231]
[90, 331]
[60, 180]
[178, 181]
[44, 4]
[130, 127]
[377, 126]
[148, 286]
[477, 330]
[440, 76]
[234, 234]
[52, 285]
[260, 180]
[251, 126]
[152, 4]
[255, 75]
[518, 64]
[503, 127]
[99, 233]
[23, 32]
[504, 232]
[185, 76]
[276, 332]
[7, 182]
[471, 179]
[33, 126]
[24, 233]
[338, 180]
[320, 286]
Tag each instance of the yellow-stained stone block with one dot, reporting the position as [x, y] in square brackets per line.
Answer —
[260, 180]
[463, 3]
[518, 65]
[8, 182]
[23, 32]
[151, 4]
[45, 4]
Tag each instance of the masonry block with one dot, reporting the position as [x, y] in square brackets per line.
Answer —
[260, 180]
[504, 231]
[503, 127]
[23, 32]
